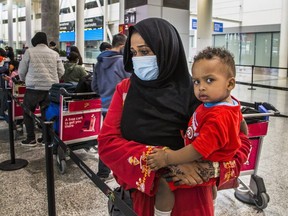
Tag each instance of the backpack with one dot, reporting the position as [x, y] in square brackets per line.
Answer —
[54, 92]
[84, 84]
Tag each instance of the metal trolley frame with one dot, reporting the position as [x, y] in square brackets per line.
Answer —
[255, 193]
[80, 120]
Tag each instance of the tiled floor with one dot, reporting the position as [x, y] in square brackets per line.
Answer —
[23, 192]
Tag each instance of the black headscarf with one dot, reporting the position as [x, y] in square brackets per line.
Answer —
[155, 111]
[39, 38]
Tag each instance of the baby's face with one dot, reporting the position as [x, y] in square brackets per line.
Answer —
[211, 80]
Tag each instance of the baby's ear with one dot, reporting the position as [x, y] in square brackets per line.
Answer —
[231, 83]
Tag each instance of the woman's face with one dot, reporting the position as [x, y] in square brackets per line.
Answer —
[11, 67]
[139, 47]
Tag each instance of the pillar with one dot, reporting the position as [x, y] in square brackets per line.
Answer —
[79, 23]
[105, 19]
[204, 24]
[50, 19]
[176, 12]
[17, 29]
[10, 22]
[283, 55]
[1, 22]
[28, 22]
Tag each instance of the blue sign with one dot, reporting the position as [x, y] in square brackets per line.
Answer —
[218, 27]
[194, 24]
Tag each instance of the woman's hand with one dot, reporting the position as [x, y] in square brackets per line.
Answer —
[192, 173]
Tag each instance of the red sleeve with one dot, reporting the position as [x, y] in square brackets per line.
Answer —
[229, 171]
[127, 159]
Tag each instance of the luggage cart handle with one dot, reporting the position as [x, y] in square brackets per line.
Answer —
[270, 107]
[64, 92]
[252, 115]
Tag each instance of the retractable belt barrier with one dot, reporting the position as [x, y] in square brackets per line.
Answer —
[48, 135]
[97, 181]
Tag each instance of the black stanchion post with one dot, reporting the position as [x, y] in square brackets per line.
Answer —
[252, 79]
[13, 164]
[47, 126]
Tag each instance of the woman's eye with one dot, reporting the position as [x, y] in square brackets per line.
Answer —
[133, 52]
[144, 52]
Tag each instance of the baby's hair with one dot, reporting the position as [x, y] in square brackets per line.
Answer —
[222, 54]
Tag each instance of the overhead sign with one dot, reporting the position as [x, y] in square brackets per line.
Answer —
[89, 23]
[217, 26]
[194, 24]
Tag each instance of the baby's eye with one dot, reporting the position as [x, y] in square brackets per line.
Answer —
[209, 80]
[196, 82]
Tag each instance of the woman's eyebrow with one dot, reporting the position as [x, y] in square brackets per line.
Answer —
[140, 46]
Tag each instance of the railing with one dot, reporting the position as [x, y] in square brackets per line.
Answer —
[271, 75]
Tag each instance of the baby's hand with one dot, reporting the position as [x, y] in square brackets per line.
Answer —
[157, 159]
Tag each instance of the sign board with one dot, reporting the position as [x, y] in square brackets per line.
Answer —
[194, 24]
[89, 23]
[218, 27]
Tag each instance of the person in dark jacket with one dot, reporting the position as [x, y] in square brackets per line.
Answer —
[10, 53]
[52, 45]
[107, 73]
[104, 46]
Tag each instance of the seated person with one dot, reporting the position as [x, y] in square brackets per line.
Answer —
[73, 71]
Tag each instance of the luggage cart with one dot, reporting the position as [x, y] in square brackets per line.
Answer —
[80, 120]
[255, 193]
[18, 91]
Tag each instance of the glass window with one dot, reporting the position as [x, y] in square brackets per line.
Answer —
[263, 49]
[275, 50]
[247, 49]
[92, 4]
[233, 45]
[64, 10]
[220, 41]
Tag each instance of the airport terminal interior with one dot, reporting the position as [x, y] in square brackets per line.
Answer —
[24, 191]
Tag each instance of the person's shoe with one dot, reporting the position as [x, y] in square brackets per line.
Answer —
[28, 143]
[40, 140]
[105, 179]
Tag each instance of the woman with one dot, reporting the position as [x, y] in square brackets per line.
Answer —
[151, 109]
[75, 49]
[73, 71]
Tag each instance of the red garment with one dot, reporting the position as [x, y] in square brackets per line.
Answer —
[127, 160]
[214, 131]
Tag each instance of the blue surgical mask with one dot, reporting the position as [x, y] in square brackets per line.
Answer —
[145, 67]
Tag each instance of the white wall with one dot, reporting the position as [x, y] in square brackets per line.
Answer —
[250, 12]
